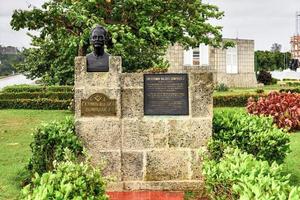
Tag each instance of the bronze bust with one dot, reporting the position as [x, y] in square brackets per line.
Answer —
[98, 60]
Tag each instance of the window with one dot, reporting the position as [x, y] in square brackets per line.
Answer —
[231, 60]
[197, 56]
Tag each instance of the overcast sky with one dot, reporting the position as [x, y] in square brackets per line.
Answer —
[265, 21]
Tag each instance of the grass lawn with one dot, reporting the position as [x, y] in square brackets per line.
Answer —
[237, 91]
[16, 127]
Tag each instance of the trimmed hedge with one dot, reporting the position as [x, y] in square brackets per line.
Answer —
[252, 134]
[294, 90]
[38, 95]
[236, 100]
[36, 88]
[43, 104]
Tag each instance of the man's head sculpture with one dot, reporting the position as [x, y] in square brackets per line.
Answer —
[98, 60]
[98, 37]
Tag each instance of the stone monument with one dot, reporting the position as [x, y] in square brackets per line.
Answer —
[146, 128]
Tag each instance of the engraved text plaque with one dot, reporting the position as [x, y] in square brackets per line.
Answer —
[98, 105]
[166, 94]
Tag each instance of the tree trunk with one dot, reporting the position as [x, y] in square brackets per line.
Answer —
[82, 50]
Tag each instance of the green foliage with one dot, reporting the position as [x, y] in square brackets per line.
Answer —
[264, 77]
[36, 88]
[294, 90]
[272, 60]
[49, 144]
[260, 91]
[40, 104]
[293, 84]
[239, 175]
[8, 62]
[141, 31]
[38, 95]
[68, 181]
[222, 87]
[233, 100]
[252, 134]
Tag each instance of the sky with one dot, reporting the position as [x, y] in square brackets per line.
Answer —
[265, 21]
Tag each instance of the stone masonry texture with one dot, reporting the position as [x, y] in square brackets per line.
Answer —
[138, 152]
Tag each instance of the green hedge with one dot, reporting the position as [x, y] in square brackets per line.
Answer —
[38, 95]
[36, 88]
[42, 104]
[294, 90]
[239, 176]
[252, 134]
[236, 100]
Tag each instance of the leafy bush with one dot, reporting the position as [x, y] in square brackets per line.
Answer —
[49, 142]
[234, 100]
[37, 88]
[222, 87]
[240, 176]
[260, 91]
[252, 134]
[68, 181]
[293, 84]
[264, 77]
[40, 104]
[283, 107]
[294, 90]
[37, 95]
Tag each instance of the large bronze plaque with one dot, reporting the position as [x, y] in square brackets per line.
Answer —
[98, 105]
[166, 94]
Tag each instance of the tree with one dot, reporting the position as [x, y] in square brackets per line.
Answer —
[269, 61]
[141, 31]
[276, 47]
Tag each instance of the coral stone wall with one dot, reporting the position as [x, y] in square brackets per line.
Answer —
[144, 152]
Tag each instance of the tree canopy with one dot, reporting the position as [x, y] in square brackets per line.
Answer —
[272, 60]
[141, 31]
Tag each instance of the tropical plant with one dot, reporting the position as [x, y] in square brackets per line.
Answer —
[141, 31]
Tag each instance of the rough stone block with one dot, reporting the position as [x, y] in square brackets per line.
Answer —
[167, 165]
[132, 80]
[132, 103]
[195, 185]
[143, 134]
[196, 165]
[132, 166]
[100, 133]
[201, 90]
[109, 162]
[190, 133]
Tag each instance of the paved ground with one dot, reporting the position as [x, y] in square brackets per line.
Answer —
[15, 80]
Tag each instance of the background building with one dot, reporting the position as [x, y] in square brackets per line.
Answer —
[233, 66]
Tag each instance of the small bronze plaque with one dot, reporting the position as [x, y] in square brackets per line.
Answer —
[98, 105]
[166, 94]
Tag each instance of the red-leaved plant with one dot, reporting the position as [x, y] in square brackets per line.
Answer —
[283, 107]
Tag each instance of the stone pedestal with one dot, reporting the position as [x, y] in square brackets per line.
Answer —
[143, 152]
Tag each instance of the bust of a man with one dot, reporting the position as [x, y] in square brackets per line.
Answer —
[98, 60]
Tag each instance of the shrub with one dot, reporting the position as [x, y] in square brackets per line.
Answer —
[37, 95]
[235, 100]
[37, 88]
[49, 143]
[41, 104]
[240, 176]
[68, 181]
[293, 84]
[252, 134]
[283, 107]
[294, 90]
[260, 91]
[264, 77]
[222, 87]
